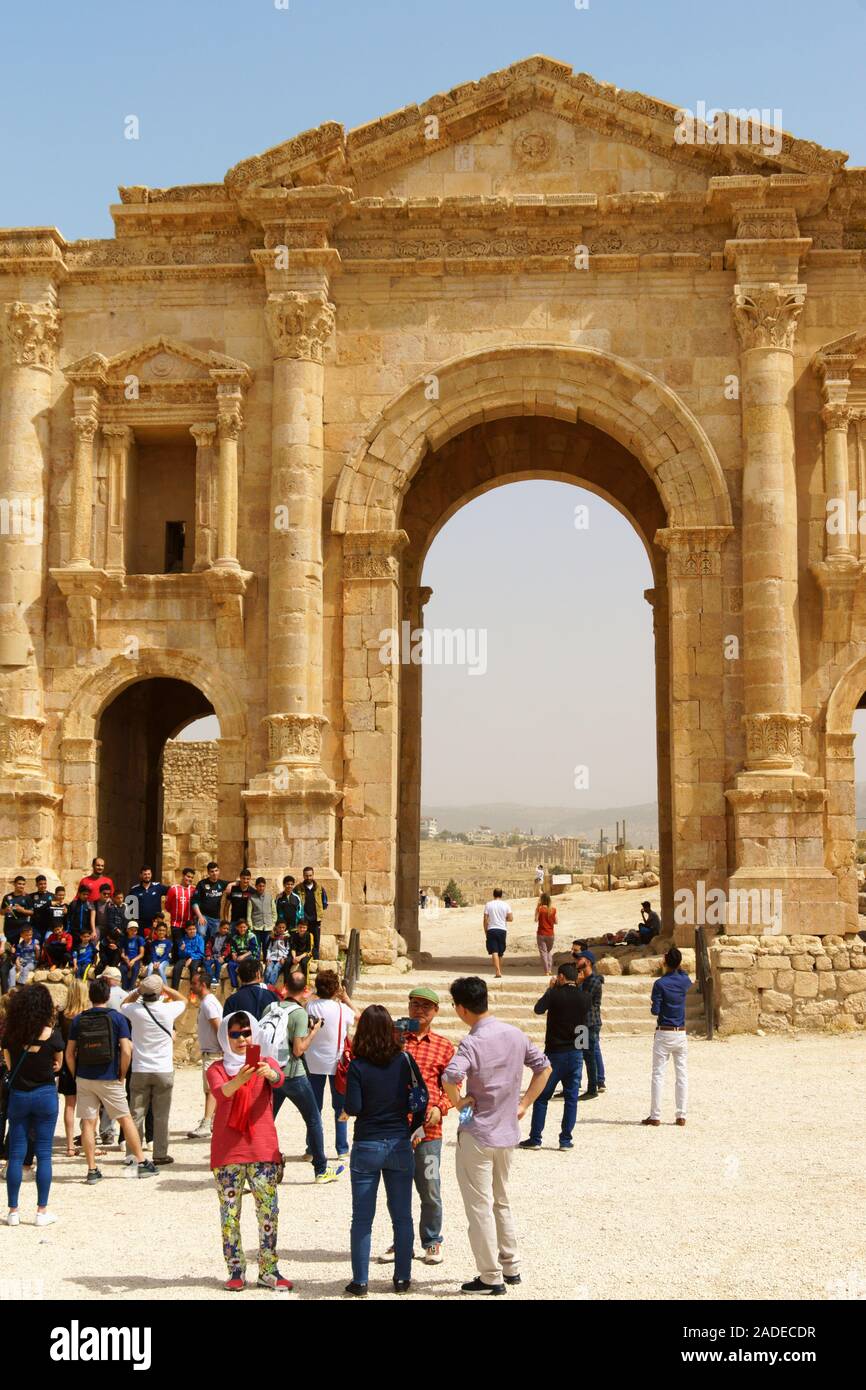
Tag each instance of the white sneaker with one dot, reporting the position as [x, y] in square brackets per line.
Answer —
[13, 1219]
[201, 1131]
[45, 1218]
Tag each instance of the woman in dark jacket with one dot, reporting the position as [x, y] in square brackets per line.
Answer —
[33, 1052]
[379, 1080]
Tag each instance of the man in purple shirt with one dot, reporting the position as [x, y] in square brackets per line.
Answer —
[490, 1059]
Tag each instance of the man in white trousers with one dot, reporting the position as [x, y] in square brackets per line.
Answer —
[669, 1007]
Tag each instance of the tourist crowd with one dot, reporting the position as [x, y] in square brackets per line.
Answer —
[282, 1036]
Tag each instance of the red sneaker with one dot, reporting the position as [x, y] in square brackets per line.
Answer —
[235, 1284]
[275, 1281]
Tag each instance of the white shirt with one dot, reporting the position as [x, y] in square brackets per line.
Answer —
[116, 996]
[324, 1051]
[209, 1008]
[152, 1048]
[496, 912]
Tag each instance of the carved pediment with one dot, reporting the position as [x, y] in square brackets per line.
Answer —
[531, 97]
[159, 360]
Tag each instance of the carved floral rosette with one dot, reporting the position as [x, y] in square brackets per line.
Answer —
[294, 738]
[775, 741]
[299, 324]
[21, 743]
[34, 331]
[767, 315]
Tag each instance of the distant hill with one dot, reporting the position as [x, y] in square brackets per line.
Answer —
[641, 821]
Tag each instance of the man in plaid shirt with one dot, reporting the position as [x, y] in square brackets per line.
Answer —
[592, 985]
[432, 1054]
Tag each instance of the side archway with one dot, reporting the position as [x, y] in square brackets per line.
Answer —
[572, 383]
[840, 824]
[169, 687]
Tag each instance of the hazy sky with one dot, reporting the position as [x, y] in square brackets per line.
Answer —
[215, 81]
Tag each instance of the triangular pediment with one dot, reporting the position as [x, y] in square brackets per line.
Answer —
[530, 103]
[158, 359]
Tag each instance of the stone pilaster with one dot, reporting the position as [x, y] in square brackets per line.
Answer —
[839, 572]
[415, 598]
[119, 441]
[229, 426]
[371, 675]
[205, 495]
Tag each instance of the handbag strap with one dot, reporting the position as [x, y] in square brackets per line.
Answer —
[165, 1030]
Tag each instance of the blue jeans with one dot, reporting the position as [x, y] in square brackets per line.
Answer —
[208, 928]
[341, 1127]
[428, 1161]
[298, 1090]
[36, 1112]
[214, 970]
[394, 1160]
[129, 974]
[567, 1067]
[594, 1061]
[272, 971]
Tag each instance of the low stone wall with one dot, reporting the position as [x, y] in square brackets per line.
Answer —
[781, 984]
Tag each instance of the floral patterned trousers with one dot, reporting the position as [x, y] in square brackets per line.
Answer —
[261, 1178]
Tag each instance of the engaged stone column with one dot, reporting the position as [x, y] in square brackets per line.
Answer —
[835, 418]
[229, 425]
[32, 335]
[119, 441]
[766, 319]
[204, 436]
[85, 424]
[300, 325]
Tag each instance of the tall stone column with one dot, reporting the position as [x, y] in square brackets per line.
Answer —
[32, 330]
[292, 820]
[415, 598]
[835, 417]
[780, 881]
[85, 423]
[766, 319]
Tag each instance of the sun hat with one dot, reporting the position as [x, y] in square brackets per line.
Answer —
[424, 992]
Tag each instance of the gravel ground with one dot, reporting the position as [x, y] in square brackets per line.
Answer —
[756, 1198]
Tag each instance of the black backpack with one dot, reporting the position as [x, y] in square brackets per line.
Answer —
[97, 1039]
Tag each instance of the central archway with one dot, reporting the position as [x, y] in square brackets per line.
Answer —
[538, 410]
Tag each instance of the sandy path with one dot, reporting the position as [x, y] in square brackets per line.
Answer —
[756, 1197]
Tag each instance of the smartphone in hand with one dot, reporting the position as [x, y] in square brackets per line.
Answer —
[254, 1055]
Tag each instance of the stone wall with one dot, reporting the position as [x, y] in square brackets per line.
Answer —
[778, 984]
[189, 781]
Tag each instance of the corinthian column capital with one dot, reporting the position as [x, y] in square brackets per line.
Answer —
[299, 324]
[766, 315]
[34, 331]
[835, 416]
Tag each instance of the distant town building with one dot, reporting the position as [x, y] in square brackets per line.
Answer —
[483, 835]
[429, 827]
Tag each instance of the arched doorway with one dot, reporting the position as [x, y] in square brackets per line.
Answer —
[114, 735]
[540, 410]
[133, 731]
[492, 455]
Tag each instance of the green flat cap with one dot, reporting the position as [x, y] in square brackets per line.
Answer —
[424, 992]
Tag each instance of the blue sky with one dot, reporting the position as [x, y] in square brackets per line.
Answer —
[214, 81]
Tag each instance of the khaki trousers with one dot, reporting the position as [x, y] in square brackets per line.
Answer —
[152, 1088]
[482, 1174]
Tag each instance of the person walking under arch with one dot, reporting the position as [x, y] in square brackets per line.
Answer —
[33, 1052]
[668, 1004]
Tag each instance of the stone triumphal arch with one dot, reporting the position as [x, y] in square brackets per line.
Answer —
[230, 432]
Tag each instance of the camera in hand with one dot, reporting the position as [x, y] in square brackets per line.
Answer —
[407, 1025]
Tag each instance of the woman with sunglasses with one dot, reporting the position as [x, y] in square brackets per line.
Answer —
[244, 1148]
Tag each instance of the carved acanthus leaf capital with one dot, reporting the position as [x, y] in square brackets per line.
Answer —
[835, 416]
[85, 427]
[775, 741]
[34, 331]
[299, 324]
[21, 742]
[766, 315]
[230, 423]
[203, 434]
